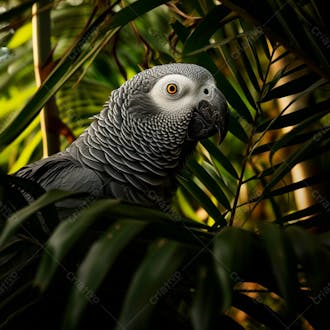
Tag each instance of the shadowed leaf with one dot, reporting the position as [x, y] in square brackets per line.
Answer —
[156, 276]
[93, 269]
[16, 220]
[232, 251]
[64, 238]
[282, 262]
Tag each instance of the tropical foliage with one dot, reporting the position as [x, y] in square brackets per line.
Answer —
[247, 242]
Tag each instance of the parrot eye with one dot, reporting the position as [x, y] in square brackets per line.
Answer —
[171, 88]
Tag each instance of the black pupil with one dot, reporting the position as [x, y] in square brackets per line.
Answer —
[206, 91]
[172, 88]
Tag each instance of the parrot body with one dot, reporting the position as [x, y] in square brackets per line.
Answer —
[140, 140]
[132, 151]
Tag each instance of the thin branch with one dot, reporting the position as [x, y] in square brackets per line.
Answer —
[240, 181]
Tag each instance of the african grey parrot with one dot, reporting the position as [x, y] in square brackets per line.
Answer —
[139, 141]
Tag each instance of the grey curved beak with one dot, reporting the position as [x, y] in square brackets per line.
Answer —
[211, 116]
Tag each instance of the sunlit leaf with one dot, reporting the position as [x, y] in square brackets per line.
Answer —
[204, 200]
[220, 157]
[209, 182]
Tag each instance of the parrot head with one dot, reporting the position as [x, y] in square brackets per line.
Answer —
[179, 93]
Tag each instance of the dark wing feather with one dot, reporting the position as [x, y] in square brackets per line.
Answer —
[62, 172]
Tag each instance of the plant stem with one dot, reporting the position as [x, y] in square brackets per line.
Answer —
[240, 182]
[41, 25]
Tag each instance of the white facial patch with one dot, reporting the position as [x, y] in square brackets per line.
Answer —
[174, 92]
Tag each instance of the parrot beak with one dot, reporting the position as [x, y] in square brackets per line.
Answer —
[209, 117]
[222, 125]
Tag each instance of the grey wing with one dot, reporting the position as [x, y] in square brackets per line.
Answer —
[62, 172]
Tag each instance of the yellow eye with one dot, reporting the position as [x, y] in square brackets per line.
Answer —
[171, 88]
